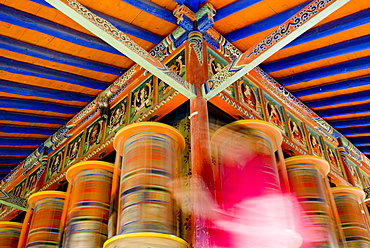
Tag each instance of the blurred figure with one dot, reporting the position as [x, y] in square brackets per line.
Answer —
[248, 209]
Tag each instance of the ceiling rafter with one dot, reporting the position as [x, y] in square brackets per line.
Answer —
[336, 100]
[270, 45]
[29, 118]
[124, 44]
[350, 123]
[233, 8]
[358, 109]
[26, 130]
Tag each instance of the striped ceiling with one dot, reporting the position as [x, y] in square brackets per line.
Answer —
[51, 67]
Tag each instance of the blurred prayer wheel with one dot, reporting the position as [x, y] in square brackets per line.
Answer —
[146, 216]
[9, 234]
[348, 201]
[88, 209]
[306, 175]
[44, 228]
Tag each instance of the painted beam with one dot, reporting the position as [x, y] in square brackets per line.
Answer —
[284, 34]
[50, 55]
[25, 20]
[10, 103]
[365, 140]
[333, 27]
[342, 48]
[358, 109]
[18, 67]
[355, 131]
[110, 34]
[15, 152]
[332, 101]
[29, 90]
[20, 142]
[13, 201]
[9, 116]
[152, 9]
[333, 87]
[345, 67]
[263, 25]
[350, 123]
[26, 130]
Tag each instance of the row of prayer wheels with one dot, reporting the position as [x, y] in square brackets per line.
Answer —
[130, 204]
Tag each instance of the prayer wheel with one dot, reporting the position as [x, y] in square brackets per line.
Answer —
[44, 228]
[146, 215]
[88, 209]
[348, 200]
[9, 234]
[306, 175]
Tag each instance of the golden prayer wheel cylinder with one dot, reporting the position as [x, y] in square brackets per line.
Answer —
[44, 228]
[88, 209]
[146, 215]
[348, 200]
[306, 175]
[9, 234]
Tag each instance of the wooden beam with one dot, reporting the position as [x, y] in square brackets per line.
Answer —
[283, 35]
[13, 201]
[120, 41]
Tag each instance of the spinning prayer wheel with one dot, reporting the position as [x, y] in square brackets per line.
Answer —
[88, 208]
[146, 217]
[9, 234]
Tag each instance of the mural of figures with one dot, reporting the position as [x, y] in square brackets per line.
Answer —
[73, 150]
[248, 96]
[315, 145]
[18, 190]
[55, 164]
[141, 98]
[93, 135]
[274, 115]
[354, 174]
[296, 131]
[118, 117]
[31, 182]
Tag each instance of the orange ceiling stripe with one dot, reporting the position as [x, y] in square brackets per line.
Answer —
[20, 123]
[23, 135]
[35, 112]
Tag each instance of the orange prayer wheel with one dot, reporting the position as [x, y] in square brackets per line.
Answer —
[44, 228]
[9, 234]
[306, 175]
[88, 209]
[146, 216]
[348, 200]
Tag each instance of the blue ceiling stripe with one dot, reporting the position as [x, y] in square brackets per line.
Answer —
[50, 55]
[27, 130]
[333, 87]
[233, 8]
[21, 141]
[42, 25]
[345, 67]
[337, 26]
[355, 131]
[23, 68]
[350, 123]
[11, 160]
[15, 152]
[358, 109]
[130, 29]
[352, 98]
[4, 169]
[153, 9]
[365, 140]
[29, 90]
[346, 47]
[256, 27]
[9, 116]
[42, 2]
[38, 106]
[364, 149]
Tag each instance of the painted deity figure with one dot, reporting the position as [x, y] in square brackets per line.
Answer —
[248, 96]
[274, 116]
[296, 132]
[142, 98]
[316, 147]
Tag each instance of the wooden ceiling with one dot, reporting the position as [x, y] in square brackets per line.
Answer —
[51, 67]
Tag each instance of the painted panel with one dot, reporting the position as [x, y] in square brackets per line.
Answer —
[332, 157]
[55, 164]
[275, 113]
[93, 137]
[249, 97]
[296, 130]
[73, 150]
[141, 98]
[117, 118]
[315, 143]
